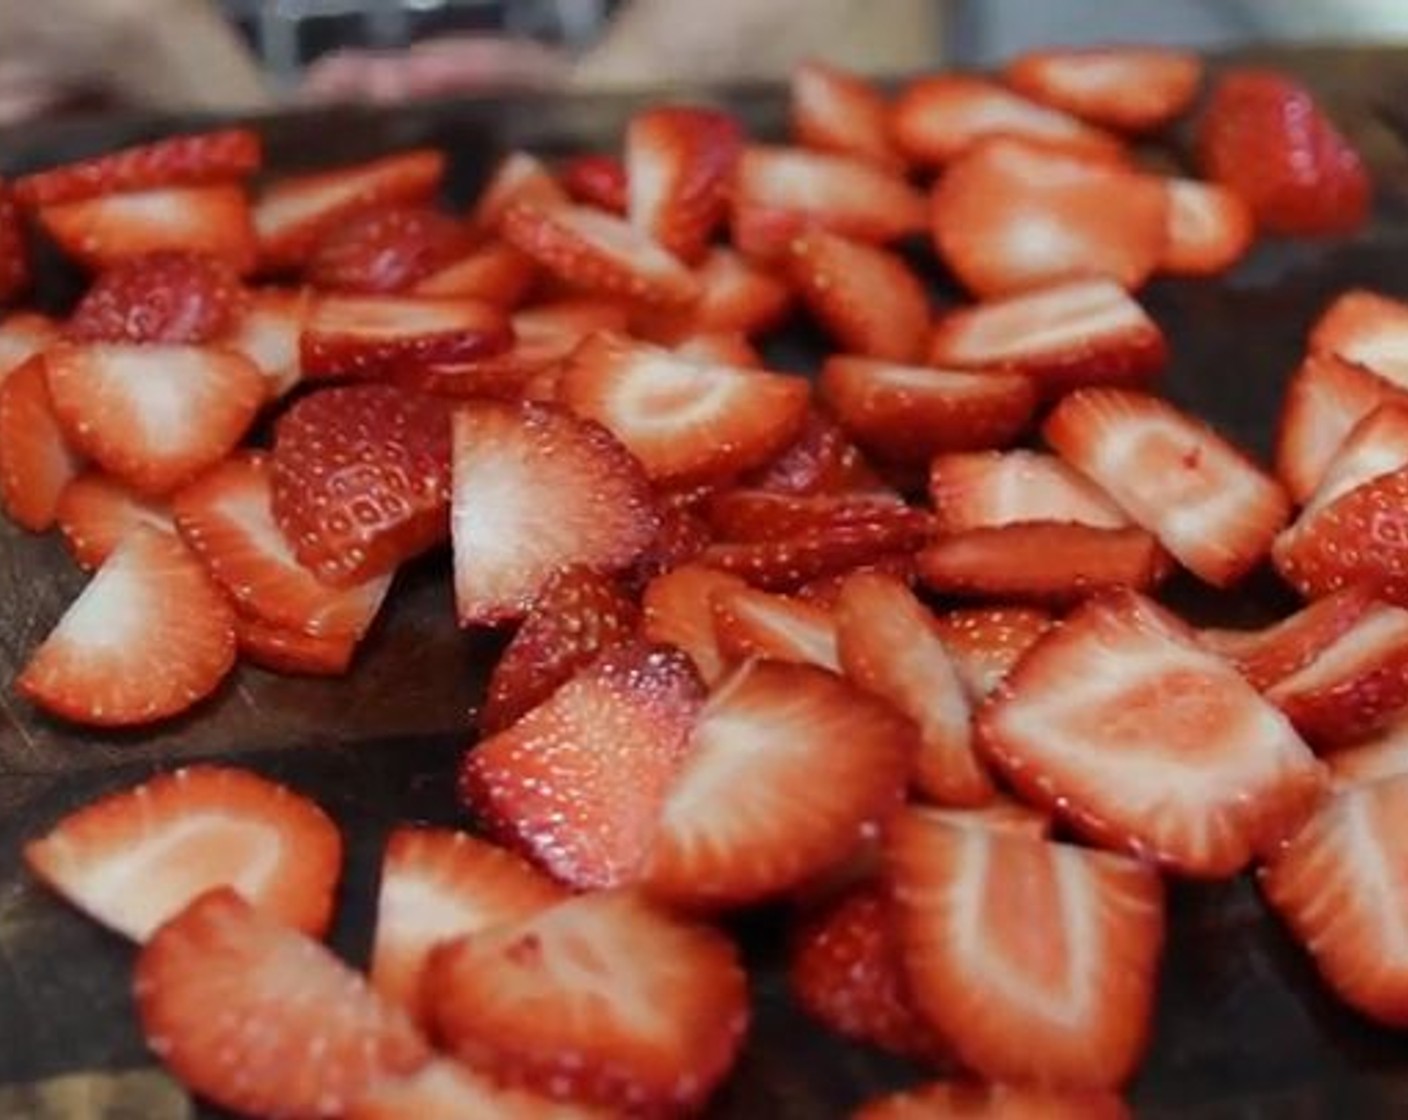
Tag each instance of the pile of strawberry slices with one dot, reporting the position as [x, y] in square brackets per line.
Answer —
[884, 645]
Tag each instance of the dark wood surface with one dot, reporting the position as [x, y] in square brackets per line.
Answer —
[1243, 1029]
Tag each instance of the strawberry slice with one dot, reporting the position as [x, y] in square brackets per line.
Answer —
[910, 413]
[449, 1090]
[37, 462]
[519, 177]
[763, 515]
[1036, 961]
[577, 614]
[1265, 136]
[22, 335]
[1085, 332]
[227, 520]
[294, 213]
[865, 298]
[937, 119]
[822, 460]
[685, 421]
[986, 642]
[292, 652]
[1008, 217]
[1336, 885]
[134, 859]
[537, 490]
[786, 764]
[1366, 329]
[787, 563]
[681, 537]
[749, 623]
[598, 253]
[844, 971]
[833, 110]
[1209, 228]
[577, 784]
[15, 270]
[735, 298]
[985, 489]
[1130, 89]
[386, 249]
[719, 349]
[890, 645]
[1382, 755]
[101, 232]
[492, 272]
[94, 513]
[149, 637]
[160, 297]
[297, 1032]
[677, 610]
[596, 179]
[1208, 504]
[153, 415]
[365, 336]
[950, 1099]
[680, 161]
[1376, 445]
[268, 334]
[438, 884]
[1122, 723]
[197, 159]
[603, 999]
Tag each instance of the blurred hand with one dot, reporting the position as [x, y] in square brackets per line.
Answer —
[437, 67]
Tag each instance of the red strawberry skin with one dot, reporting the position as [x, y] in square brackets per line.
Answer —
[386, 250]
[975, 1101]
[366, 336]
[292, 653]
[36, 461]
[597, 180]
[161, 297]
[14, 250]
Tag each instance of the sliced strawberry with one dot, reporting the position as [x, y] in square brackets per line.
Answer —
[833, 110]
[364, 336]
[1376, 445]
[493, 272]
[1131, 89]
[681, 537]
[439, 884]
[161, 297]
[134, 859]
[986, 642]
[519, 177]
[295, 212]
[15, 271]
[1208, 504]
[864, 297]
[94, 513]
[153, 415]
[450, 1090]
[786, 764]
[890, 645]
[603, 999]
[37, 462]
[719, 349]
[677, 610]
[385, 249]
[763, 233]
[821, 460]
[910, 413]
[292, 652]
[537, 490]
[596, 179]
[149, 636]
[1035, 961]
[950, 1100]
[1008, 218]
[22, 335]
[823, 591]
[1265, 136]
[1209, 228]
[761, 515]
[268, 334]
[1337, 884]
[1085, 332]
[100, 232]
[1122, 723]
[983, 489]
[786, 563]
[1366, 329]
[598, 253]
[1382, 755]
[198, 159]
[735, 297]
[750, 623]
[577, 614]
[261, 1019]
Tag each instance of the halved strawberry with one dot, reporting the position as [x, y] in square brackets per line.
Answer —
[196, 159]
[1376, 445]
[37, 462]
[746, 514]
[1209, 228]
[361, 479]
[1008, 218]
[22, 335]
[785, 765]
[149, 636]
[577, 614]
[1366, 329]
[1383, 755]
[94, 513]
[890, 645]
[153, 415]
[949, 1100]
[1265, 136]
[677, 610]
[596, 179]
[1339, 887]
[493, 272]
[1036, 961]
[787, 563]
[385, 249]
[1083, 332]
[448, 1090]
[1131, 89]
[679, 165]
[1208, 504]
[160, 297]
[263, 1020]
[519, 177]
[577, 783]
[15, 271]
[749, 623]
[834, 110]
[1120, 721]
[268, 333]
[821, 460]
[136, 858]
[292, 652]
[864, 297]
[438, 884]
[603, 999]
[293, 213]
[986, 642]
[910, 413]
[536, 490]
[598, 253]
[735, 297]
[983, 489]
[939, 118]
[364, 336]
[101, 232]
